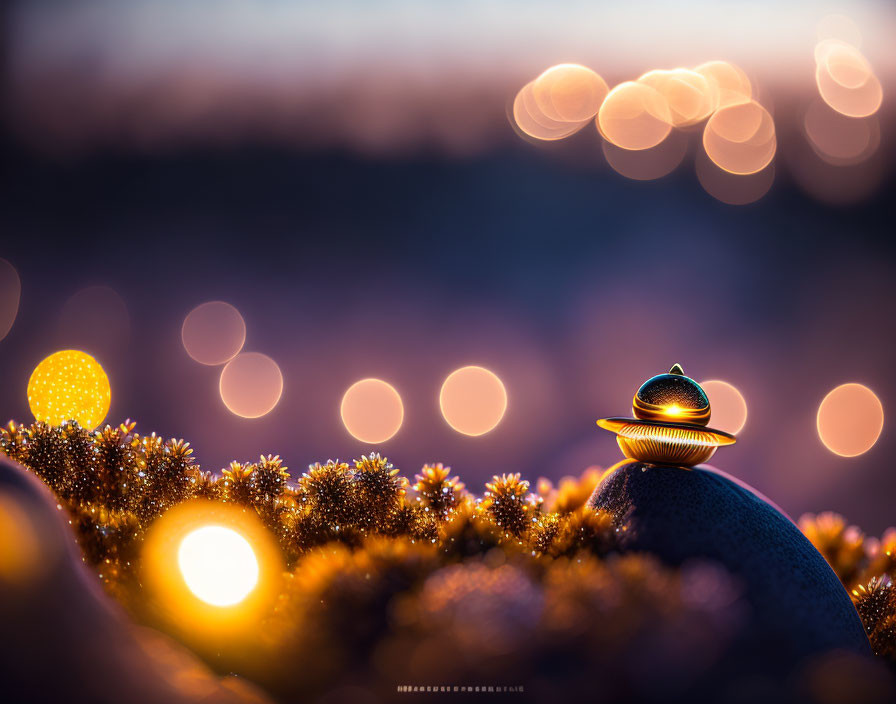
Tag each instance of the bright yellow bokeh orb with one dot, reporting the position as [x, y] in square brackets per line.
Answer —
[218, 565]
[69, 385]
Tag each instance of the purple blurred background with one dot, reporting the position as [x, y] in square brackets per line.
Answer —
[356, 192]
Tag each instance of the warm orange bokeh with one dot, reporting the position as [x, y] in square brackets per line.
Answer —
[691, 96]
[850, 420]
[473, 400]
[372, 410]
[251, 385]
[213, 332]
[24, 548]
[199, 620]
[846, 80]
[569, 93]
[731, 85]
[531, 121]
[634, 116]
[741, 138]
[727, 404]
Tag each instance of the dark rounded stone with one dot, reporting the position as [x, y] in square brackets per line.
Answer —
[797, 605]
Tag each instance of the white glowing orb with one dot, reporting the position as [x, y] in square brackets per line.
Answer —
[218, 565]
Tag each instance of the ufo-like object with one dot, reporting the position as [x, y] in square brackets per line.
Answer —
[671, 414]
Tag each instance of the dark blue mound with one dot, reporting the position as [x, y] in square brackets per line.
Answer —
[798, 606]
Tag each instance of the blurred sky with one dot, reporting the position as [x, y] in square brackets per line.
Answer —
[345, 175]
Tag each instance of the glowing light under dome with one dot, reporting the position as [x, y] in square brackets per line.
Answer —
[218, 565]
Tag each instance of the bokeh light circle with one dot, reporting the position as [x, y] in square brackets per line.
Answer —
[473, 400]
[733, 189]
[10, 293]
[691, 96]
[218, 565]
[647, 164]
[845, 64]
[532, 122]
[251, 385]
[214, 569]
[27, 551]
[634, 116]
[838, 139]
[740, 138]
[730, 85]
[569, 92]
[372, 410]
[213, 333]
[69, 385]
[846, 82]
[727, 404]
[850, 420]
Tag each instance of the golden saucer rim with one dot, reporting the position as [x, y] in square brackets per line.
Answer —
[606, 424]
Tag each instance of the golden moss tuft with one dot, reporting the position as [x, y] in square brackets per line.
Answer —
[380, 490]
[842, 545]
[437, 491]
[237, 483]
[329, 492]
[876, 604]
[506, 502]
[269, 480]
[372, 569]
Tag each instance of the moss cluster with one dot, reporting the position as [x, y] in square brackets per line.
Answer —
[396, 583]
[115, 482]
[867, 567]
